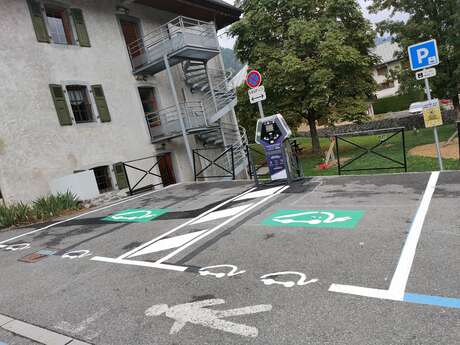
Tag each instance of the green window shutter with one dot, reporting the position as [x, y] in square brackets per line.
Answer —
[80, 27]
[61, 105]
[101, 103]
[38, 21]
[120, 175]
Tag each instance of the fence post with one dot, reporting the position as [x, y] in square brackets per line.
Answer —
[127, 179]
[233, 164]
[337, 154]
[458, 138]
[194, 165]
[404, 149]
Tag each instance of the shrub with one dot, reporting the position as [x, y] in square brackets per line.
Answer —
[41, 209]
[396, 103]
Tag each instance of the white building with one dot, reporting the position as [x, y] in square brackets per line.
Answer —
[386, 52]
[89, 84]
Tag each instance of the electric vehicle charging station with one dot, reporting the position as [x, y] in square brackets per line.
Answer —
[273, 134]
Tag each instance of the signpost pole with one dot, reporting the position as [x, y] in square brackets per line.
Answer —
[435, 129]
[261, 110]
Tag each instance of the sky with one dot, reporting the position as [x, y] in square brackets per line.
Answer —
[228, 42]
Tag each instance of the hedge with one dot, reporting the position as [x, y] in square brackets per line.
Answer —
[396, 103]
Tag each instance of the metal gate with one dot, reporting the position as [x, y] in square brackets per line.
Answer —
[221, 166]
[351, 139]
[137, 170]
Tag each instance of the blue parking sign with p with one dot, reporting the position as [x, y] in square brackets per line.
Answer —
[423, 55]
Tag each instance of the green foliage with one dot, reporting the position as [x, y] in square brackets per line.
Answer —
[397, 102]
[428, 19]
[41, 209]
[314, 56]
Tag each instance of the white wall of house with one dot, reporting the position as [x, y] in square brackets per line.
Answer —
[34, 147]
[386, 89]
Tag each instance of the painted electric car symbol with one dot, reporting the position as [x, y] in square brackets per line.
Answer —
[311, 217]
[286, 283]
[233, 272]
[77, 254]
[20, 246]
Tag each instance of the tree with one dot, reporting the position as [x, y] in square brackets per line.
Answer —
[314, 56]
[428, 19]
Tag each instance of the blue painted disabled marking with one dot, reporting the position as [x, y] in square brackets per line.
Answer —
[432, 300]
[3, 343]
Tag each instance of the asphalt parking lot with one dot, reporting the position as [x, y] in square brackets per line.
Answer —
[330, 260]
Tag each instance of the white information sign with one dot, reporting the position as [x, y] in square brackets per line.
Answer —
[257, 94]
[426, 73]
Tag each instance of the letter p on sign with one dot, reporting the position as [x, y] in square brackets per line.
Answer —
[423, 55]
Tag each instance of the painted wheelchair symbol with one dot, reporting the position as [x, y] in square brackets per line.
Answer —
[312, 218]
[287, 283]
[233, 271]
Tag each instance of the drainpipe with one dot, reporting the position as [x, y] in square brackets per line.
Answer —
[179, 113]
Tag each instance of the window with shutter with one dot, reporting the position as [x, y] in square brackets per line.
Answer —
[80, 27]
[60, 105]
[101, 103]
[120, 175]
[38, 21]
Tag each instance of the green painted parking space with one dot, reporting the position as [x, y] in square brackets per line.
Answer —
[343, 219]
[136, 215]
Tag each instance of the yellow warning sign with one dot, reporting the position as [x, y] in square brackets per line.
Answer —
[432, 113]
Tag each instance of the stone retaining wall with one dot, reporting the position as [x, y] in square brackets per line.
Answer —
[408, 122]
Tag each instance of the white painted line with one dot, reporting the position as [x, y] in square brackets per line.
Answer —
[401, 275]
[4, 319]
[90, 212]
[140, 263]
[258, 194]
[221, 214]
[362, 291]
[38, 334]
[207, 233]
[167, 243]
[127, 254]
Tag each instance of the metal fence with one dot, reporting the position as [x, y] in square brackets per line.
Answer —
[352, 140]
[221, 165]
[138, 170]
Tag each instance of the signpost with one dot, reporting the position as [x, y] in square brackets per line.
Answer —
[256, 92]
[422, 56]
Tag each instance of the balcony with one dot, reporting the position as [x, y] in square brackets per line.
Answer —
[165, 124]
[180, 39]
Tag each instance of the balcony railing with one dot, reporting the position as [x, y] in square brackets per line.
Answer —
[165, 123]
[179, 39]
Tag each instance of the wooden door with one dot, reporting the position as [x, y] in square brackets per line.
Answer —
[131, 33]
[167, 170]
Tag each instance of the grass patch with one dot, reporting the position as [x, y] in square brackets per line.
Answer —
[42, 209]
[392, 149]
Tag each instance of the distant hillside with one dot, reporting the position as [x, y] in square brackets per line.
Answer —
[231, 62]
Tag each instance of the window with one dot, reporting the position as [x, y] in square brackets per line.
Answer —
[382, 70]
[386, 85]
[79, 102]
[59, 25]
[103, 180]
